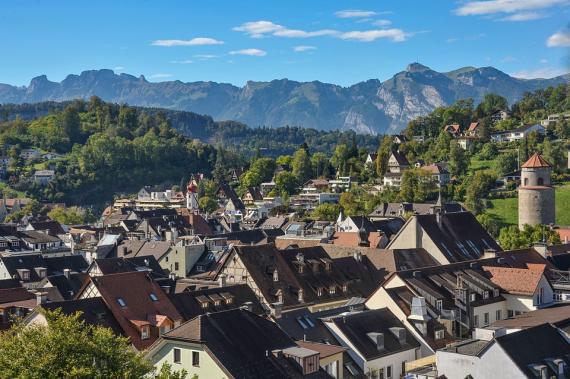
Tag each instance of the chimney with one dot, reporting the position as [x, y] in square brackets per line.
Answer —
[172, 276]
[222, 282]
[418, 315]
[277, 309]
[378, 339]
[275, 275]
[358, 255]
[489, 253]
[66, 272]
[300, 296]
[41, 298]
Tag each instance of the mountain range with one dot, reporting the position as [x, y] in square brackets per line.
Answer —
[371, 106]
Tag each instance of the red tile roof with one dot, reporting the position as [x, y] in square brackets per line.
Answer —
[536, 161]
[473, 126]
[516, 280]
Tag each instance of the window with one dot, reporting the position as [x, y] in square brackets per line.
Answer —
[381, 373]
[540, 181]
[486, 318]
[205, 304]
[526, 181]
[144, 333]
[476, 321]
[439, 334]
[319, 291]
[540, 296]
[332, 290]
[485, 294]
[153, 297]
[176, 355]
[510, 313]
[498, 314]
[389, 372]
[121, 302]
[176, 266]
[439, 305]
[229, 300]
[195, 359]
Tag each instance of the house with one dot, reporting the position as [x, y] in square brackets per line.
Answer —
[29, 154]
[473, 129]
[557, 316]
[51, 155]
[137, 302]
[552, 119]
[229, 198]
[518, 133]
[251, 195]
[379, 230]
[376, 340]
[235, 344]
[107, 266]
[466, 141]
[39, 241]
[15, 301]
[538, 352]
[453, 129]
[439, 173]
[315, 185]
[284, 279]
[51, 227]
[331, 357]
[397, 164]
[342, 183]
[371, 159]
[400, 138]
[63, 286]
[499, 116]
[43, 177]
[391, 210]
[457, 298]
[448, 237]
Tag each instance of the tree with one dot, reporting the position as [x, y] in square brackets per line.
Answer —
[284, 161]
[339, 158]
[506, 163]
[326, 212]
[491, 103]
[68, 348]
[319, 164]
[416, 186]
[555, 154]
[513, 238]
[166, 372]
[71, 124]
[207, 204]
[71, 215]
[384, 151]
[301, 165]
[490, 223]
[286, 183]
[478, 189]
[458, 162]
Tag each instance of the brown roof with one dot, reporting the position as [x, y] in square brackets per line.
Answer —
[473, 126]
[558, 316]
[325, 350]
[135, 288]
[536, 161]
[516, 280]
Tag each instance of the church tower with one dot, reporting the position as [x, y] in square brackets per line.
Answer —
[192, 195]
[536, 194]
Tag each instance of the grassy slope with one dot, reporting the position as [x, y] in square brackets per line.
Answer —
[507, 209]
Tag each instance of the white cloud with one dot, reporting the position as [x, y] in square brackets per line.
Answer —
[186, 61]
[545, 72]
[524, 16]
[559, 39]
[258, 29]
[396, 35]
[160, 76]
[382, 22]
[205, 56]
[199, 41]
[544, 61]
[302, 48]
[354, 13]
[118, 68]
[490, 7]
[250, 52]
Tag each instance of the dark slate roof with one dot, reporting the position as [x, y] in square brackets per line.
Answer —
[56, 265]
[139, 263]
[356, 326]
[457, 230]
[67, 287]
[395, 209]
[189, 306]
[10, 283]
[34, 236]
[240, 341]
[253, 236]
[93, 312]
[535, 346]
[11, 295]
[231, 195]
[255, 193]
[400, 158]
[14, 263]
[400, 259]
[141, 215]
[388, 227]
[53, 227]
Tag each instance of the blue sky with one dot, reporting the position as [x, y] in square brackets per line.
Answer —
[232, 41]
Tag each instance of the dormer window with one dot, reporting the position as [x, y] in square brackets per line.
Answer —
[439, 305]
[485, 294]
[332, 290]
[301, 269]
[145, 333]
[319, 291]
[439, 334]
[121, 302]
[153, 297]
[473, 297]
[496, 292]
[345, 287]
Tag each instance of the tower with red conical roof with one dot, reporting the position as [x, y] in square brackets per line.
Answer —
[536, 194]
[192, 195]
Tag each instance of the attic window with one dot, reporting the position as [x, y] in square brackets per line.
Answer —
[144, 333]
[439, 334]
[496, 292]
[153, 297]
[485, 294]
[473, 297]
[332, 290]
[319, 291]
[344, 287]
[439, 305]
[301, 269]
[121, 302]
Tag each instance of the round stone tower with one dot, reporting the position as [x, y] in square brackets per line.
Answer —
[536, 194]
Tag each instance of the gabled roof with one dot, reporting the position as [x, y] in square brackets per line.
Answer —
[134, 288]
[516, 280]
[139, 263]
[255, 193]
[67, 287]
[356, 327]
[557, 316]
[227, 191]
[400, 158]
[536, 161]
[190, 303]
[393, 260]
[53, 227]
[35, 237]
[473, 126]
[239, 340]
[535, 346]
[453, 127]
